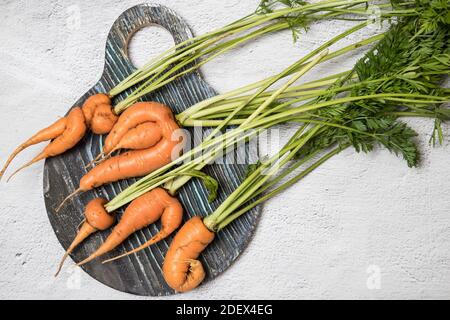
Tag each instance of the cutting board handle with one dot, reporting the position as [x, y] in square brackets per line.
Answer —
[127, 24]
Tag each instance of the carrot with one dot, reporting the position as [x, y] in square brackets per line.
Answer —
[97, 110]
[143, 211]
[74, 129]
[134, 163]
[181, 270]
[96, 218]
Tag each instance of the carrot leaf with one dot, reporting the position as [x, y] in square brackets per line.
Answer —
[210, 183]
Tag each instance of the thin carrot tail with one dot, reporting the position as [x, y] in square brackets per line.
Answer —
[101, 251]
[94, 161]
[48, 133]
[85, 231]
[111, 152]
[34, 160]
[99, 159]
[70, 196]
[12, 156]
[158, 237]
[80, 224]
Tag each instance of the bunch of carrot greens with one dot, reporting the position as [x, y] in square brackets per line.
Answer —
[360, 108]
[411, 59]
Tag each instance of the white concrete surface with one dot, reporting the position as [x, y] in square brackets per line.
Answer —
[362, 226]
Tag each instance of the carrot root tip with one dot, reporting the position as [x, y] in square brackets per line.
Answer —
[158, 237]
[83, 262]
[95, 160]
[70, 196]
[66, 254]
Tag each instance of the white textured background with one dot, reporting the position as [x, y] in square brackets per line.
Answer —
[326, 237]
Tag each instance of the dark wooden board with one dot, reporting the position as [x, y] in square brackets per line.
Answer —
[141, 273]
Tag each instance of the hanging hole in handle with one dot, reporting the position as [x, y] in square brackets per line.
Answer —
[147, 43]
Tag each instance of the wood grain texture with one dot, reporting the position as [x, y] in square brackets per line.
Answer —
[141, 273]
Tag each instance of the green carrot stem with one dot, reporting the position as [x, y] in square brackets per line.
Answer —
[196, 110]
[279, 91]
[164, 76]
[155, 178]
[284, 73]
[256, 179]
[413, 114]
[182, 48]
[230, 218]
[223, 98]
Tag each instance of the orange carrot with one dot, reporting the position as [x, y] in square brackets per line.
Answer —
[181, 270]
[96, 218]
[130, 164]
[141, 212]
[74, 130]
[137, 162]
[98, 112]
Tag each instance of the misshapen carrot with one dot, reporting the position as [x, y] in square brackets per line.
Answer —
[135, 115]
[141, 212]
[45, 134]
[130, 164]
[96, 218]
[135, 163]
[98, 112]
[142, 136]
[95, 114]
[181, 269]
[74, 130]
